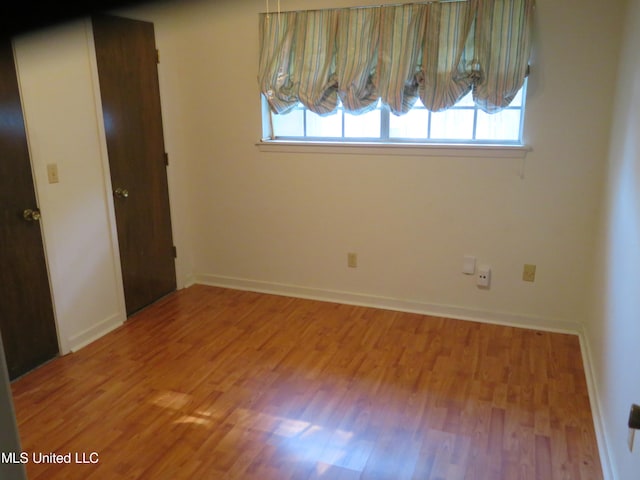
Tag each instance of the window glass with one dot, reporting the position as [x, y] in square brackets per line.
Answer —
[505, 126]
[463, 123]
[324, 126]
[289, 125]
[366, 125]
[466, 101]
[452, 124]
[517, 100]
[414, 124]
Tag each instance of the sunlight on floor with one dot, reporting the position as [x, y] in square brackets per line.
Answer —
[304, 441]
[173, 400]
[308, 442]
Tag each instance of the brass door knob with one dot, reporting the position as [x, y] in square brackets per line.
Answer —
[121, 192]
[31, 215]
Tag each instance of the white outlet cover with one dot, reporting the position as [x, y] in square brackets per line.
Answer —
[484, 276]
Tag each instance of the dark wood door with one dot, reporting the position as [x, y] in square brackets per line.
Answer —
[26, 310]
[128, 75]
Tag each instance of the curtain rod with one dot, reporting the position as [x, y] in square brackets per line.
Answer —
[268, 12]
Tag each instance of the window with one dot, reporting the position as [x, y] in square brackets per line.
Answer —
[464, 123]
[397, 73]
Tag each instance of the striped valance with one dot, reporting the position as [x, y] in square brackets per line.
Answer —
[437, 51]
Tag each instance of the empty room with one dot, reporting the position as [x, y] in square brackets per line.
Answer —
[306, 239]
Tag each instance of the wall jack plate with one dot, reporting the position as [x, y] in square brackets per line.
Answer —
[484, 276]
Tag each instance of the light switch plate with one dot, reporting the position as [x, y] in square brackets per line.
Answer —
[469, 265]
[52, 173]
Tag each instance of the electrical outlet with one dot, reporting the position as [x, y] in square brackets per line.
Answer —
[529, 273]
[352, 260]
[484, 276]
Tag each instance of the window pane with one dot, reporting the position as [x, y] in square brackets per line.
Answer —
[504, 125]
[328, 126]
[455, 125]
[452, 124]
[288, 125]
[517, 100]
[413, 124]
[466, 101]
[366, 125]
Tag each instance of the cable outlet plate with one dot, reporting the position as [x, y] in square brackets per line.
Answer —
[352, 260]
[484, 276]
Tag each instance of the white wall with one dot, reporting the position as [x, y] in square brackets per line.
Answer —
[285, 221]
[613, 331]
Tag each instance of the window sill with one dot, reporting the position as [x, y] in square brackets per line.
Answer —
[402, 149]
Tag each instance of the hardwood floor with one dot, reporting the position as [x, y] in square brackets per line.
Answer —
[211, 383]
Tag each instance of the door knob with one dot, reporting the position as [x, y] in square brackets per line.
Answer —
[121, 192]
[31, 215]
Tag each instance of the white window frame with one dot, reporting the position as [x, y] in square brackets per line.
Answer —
[406, 146]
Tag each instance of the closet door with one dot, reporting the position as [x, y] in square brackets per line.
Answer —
[128, 74]
[26, 310]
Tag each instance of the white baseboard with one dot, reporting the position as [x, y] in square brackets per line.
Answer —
[388, 303]
[460, 313]
[189, 280]
[596, 409]
[84, 338]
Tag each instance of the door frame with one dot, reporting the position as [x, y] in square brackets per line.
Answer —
[106, 168]
[43, 220]
[10, 436]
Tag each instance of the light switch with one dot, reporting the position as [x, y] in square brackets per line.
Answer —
[52, 173]
[469, 265]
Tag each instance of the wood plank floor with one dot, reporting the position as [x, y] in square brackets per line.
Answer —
[211, 383]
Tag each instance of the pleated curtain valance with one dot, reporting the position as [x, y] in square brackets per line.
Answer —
[436, 51]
